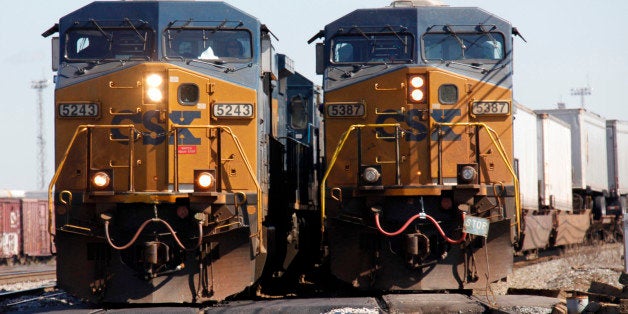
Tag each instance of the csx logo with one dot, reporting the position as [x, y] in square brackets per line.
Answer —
[418, 130]
[150, 121]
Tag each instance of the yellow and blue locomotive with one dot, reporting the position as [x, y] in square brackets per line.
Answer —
[172, 152]
[419, 192]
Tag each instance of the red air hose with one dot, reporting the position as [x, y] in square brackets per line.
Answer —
[422, 216]
[137, 234]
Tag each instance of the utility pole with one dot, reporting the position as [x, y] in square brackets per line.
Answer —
[581, 91]
[41, 142]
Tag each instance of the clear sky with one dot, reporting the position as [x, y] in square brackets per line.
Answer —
[570, 44]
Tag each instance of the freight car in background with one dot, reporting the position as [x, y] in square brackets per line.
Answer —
[588, 157]
[617, 150]
[599, 174]
[573, 182]
[24, 228]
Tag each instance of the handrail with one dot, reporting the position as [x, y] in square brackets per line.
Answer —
[339, 147]
[491, 133]
[84, 128]
[500, 148]
[246, 162]
[79, 129]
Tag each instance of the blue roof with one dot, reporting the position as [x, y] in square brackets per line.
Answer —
[159, 13]
[418, 20]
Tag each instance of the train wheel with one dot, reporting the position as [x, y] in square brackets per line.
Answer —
[619, 234]
[599, 207]
[595, 234]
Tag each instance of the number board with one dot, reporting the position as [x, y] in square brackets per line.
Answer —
[476, 225]
[490, 108]
[232, 110]
[345, 110]
[79, 110]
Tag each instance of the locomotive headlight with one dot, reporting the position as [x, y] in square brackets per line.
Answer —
[467, 173]
[154, 80]
[155, 94]
[416, 95]
[101, 180]
[154, 84]
[417, 81]
[204, 180]
[416, 88]
[370, 177]
[371, 174]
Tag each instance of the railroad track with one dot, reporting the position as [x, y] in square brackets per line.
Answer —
[558, 253]
[23, 275]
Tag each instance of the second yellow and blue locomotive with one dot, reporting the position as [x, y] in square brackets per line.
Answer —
[419, 191]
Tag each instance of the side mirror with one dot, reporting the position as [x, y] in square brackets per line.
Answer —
[320, 57]
[267, 54]
[55, 53]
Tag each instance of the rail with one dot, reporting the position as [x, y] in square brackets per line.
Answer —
[81, 129]
[132, 131]
[249, 168]
[491, 133]
[339, 147]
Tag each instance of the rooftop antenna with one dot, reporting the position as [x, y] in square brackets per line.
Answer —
[582, 91]
[41, 143]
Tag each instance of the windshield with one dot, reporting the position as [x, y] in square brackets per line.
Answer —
[459, 46]
[106, 43]
[373, 48]
[208, 44]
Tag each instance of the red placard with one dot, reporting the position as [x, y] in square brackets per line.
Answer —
[187, 149]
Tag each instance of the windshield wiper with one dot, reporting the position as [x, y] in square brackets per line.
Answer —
[355, 68]
[451, 31]
[219, 26]
[248, 65]
[345, 73]
[371, 41]
[217, 64]
[79, 70]
[397, 35]
[488, 33]
[475, 66]
[135, 29]
[102, 31]
[178, 28]
[91, 64]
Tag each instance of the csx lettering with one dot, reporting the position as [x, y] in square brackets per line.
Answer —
[418, 130]
[150, 121]
[444, 116]
[185, 118]
[411, 118]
